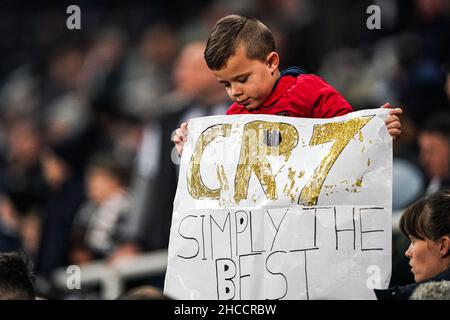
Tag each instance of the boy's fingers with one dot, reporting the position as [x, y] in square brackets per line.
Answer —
[178, 139]
[393, 121]
[180, 133]
[183, 129]
[392, 118]
[396, 111]
[394, 125]
[395, 133]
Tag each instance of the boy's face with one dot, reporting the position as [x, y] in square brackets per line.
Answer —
[100, 185]
[249, 82]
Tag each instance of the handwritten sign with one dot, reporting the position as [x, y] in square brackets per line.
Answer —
[270, 207]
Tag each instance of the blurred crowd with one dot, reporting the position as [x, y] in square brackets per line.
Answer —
[87, 167]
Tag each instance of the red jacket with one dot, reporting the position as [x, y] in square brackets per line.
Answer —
[304, 96]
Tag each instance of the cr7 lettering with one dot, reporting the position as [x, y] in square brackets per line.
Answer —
[263, 139]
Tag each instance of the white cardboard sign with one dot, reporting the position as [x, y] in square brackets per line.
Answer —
[271, 207]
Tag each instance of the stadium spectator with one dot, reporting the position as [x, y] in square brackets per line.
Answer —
[100, 227]
[434, 142]
[427, 224]
[16, 279]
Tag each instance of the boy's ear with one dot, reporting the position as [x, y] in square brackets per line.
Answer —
[272, 61]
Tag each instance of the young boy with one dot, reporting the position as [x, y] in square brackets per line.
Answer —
[242, 55]
[101, 226]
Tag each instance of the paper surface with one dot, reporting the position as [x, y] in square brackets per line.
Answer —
[271, 207]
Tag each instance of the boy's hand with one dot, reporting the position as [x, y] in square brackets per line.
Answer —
[180, 137]
[393, 123]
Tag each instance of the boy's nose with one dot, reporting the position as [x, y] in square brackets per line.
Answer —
[236, 91]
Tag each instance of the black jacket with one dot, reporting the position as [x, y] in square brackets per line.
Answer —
[404, 292]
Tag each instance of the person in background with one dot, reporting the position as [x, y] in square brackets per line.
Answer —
[62, 165]
[434, 142]
[427, 224]
[100, 227]
[16, 279]
[196, 94]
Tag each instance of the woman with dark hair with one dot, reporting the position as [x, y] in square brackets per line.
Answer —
[427, 224]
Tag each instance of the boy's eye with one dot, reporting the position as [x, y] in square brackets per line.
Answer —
[242, 80]
[226, 85]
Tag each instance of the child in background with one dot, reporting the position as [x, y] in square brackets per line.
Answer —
[101, 225]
